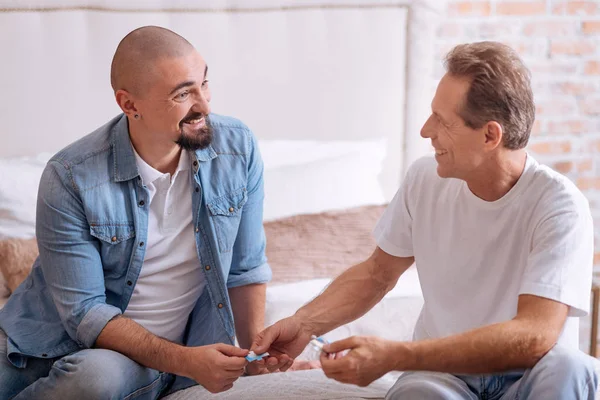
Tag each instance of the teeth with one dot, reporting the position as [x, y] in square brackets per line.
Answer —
[194, 121]
[440, 152]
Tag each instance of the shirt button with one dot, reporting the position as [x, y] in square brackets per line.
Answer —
[195, 163]
[207, 268]
[141, 244]
[141, 203]
[113, 239]
[129, 283]
[231, 209]
[220, 305]
[197, 189]
[197, 230]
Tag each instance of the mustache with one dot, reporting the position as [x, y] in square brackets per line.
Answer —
[191, 117]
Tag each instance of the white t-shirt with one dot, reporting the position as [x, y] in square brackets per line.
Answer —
[170, 281]
[474, 258]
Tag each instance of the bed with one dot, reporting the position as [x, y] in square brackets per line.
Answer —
[360, 70]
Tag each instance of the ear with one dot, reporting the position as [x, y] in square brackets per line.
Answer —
[493, 135]
[126, 102]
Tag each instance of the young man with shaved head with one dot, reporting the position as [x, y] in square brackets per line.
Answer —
[151, 241]
[503, 247]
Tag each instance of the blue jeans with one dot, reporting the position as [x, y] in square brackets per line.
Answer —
[86, 374]
[563, 373]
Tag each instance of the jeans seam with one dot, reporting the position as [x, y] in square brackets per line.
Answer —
[144, 389]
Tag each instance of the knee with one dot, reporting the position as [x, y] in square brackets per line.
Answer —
[570, 365]
[416, 387]
[93, 374]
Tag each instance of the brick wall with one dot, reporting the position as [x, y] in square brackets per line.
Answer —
[559, 41]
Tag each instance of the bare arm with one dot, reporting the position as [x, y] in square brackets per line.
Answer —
[131, 339]
[354, 292]
[515, 344]
[518, 343]
[248, 304]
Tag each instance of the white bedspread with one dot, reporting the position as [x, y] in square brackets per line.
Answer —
[299, 385]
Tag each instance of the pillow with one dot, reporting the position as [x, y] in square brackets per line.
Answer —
[320, 245]
[307, 177]
[393, 318]
[18, 194]
[16, 259]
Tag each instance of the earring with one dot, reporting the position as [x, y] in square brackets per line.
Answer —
[136, 116]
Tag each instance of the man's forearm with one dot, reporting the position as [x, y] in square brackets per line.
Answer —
[495, 348]
[248, 304]
[348, 297]
[134, 341]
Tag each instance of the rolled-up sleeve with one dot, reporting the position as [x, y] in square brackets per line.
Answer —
[70, 258]
[249, 262]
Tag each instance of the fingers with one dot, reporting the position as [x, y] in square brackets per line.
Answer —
[286, 366]
[333, 366]
[264, 339]
[275, 363]
[231, 351]
[344, 344]
[233, 374]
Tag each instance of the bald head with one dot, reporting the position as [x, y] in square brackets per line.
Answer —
[136, 55]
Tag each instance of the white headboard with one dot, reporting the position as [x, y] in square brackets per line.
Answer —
[304, 69]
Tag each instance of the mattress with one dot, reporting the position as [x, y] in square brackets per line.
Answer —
[298, 385]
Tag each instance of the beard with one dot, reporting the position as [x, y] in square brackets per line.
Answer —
[198, 140]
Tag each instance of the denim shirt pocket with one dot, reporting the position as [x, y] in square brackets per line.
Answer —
[115, 245]
[226, 213]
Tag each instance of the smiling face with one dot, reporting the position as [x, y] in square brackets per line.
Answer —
[175, 105]
[459, 150]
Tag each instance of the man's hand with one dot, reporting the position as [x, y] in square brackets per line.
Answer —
[284, 340]
[216, 366]
[368, 359]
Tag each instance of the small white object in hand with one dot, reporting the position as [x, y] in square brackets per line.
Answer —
[252, 356]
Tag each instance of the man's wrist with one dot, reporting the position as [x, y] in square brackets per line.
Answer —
[307, 324]
[403, 356]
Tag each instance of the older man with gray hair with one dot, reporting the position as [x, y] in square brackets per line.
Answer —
[503, 247]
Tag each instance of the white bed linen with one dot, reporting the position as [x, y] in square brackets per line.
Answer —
[299, 385]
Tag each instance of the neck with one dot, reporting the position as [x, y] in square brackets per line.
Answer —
[161, 155]
[497, 175]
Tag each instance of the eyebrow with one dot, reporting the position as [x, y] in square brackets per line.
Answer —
[188, 83]
[439, 116]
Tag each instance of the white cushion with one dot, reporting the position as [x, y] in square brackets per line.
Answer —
[306, 177]
[392, 318]
[18, 194]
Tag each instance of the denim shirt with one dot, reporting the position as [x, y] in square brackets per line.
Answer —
[92, 229]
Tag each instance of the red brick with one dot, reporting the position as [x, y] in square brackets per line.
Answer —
[587, 183]
[536, 129]
[584, 166]
[574, 88]
[469, 8]
[521, 8]
[590, 106]
[554, 106]
[493, 30]
[554, 67]
[573, 47]
[591, 27]
[551, 147]
[566, 127]
[576, 8]
[563, 167]
[550, 28]
[450, 30]
[592, 68]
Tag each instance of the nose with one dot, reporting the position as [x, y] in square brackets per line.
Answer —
[202, 104]
[428, 130]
